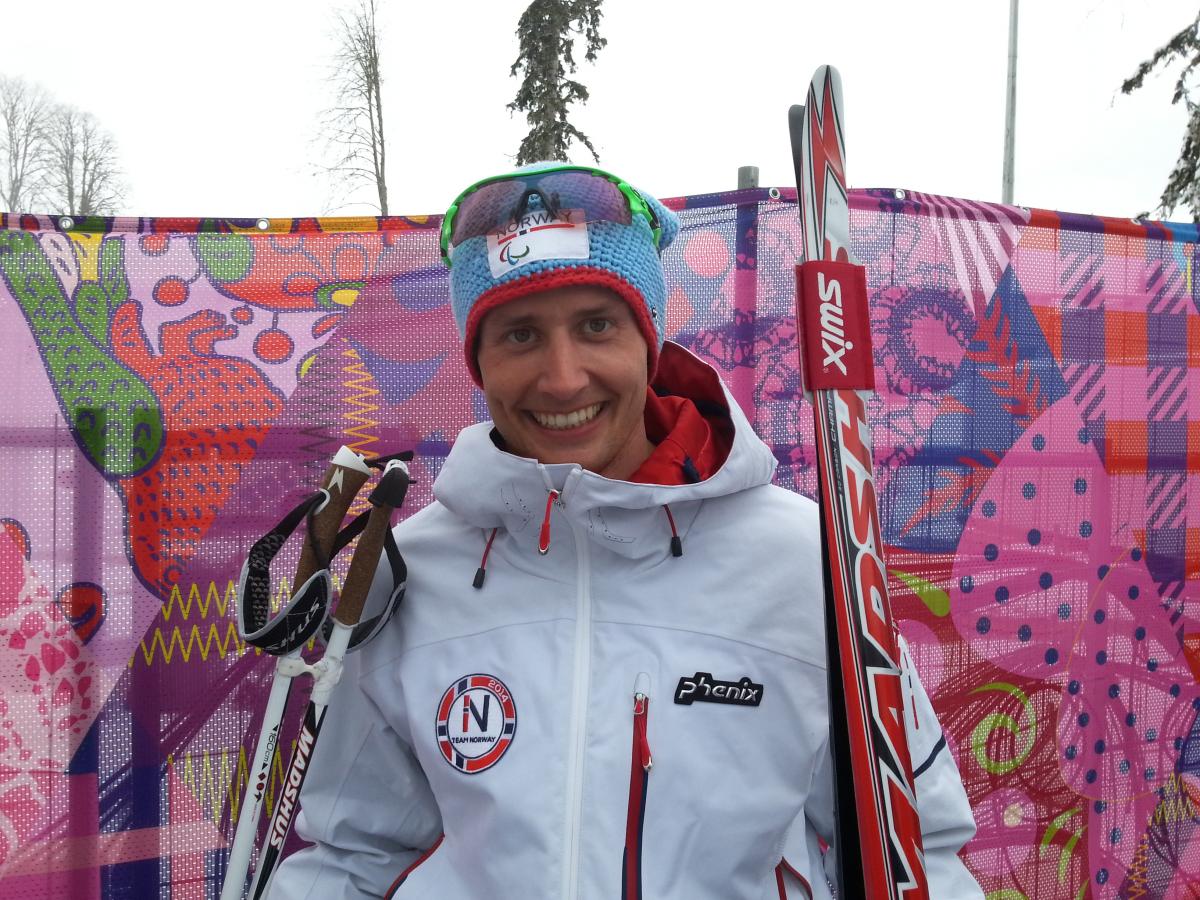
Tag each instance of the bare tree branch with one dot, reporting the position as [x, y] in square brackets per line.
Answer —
[353, 126]
[25, 112]
[83, 176]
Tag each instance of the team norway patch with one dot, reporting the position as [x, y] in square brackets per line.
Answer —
[537, 235]
[702, 687]
[476, 721]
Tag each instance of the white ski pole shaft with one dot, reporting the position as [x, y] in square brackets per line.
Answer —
[386, 497]
[260, 777]
[343, 479]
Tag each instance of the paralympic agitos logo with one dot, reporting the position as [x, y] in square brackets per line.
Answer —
[512, 249]
[537, 235]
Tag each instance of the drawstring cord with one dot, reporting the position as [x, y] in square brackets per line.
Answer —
[481, 572]
[676, 540]
[544, 535]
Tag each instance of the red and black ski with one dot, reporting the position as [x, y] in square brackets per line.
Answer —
[878, 842]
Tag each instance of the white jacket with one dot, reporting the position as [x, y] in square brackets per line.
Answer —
[504, 717]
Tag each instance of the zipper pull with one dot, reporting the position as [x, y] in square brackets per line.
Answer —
[641, 706]
[544, 535]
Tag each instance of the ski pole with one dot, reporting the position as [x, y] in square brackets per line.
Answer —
[376, 537]
[286, 634]
[878, 839]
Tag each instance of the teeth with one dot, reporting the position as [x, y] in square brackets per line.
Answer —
[568, 420]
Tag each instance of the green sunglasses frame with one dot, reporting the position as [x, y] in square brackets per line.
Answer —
[637, 203]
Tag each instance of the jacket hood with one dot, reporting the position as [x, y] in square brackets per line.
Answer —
[491, 488]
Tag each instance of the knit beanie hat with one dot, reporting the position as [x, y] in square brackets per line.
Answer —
[511, 262]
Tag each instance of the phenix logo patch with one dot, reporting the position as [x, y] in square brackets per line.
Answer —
[539, 234]
[702, 687]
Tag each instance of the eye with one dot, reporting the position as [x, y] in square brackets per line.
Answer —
[597, 326]
[522, 335]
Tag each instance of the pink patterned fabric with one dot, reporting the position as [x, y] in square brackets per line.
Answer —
[175, 385]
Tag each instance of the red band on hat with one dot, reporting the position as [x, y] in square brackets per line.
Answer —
[546, 280]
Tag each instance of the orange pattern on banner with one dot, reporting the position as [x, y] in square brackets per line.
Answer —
[177, 605]
[1191, 652]
[222, 640]
[1125, 447]
[216, 781]
[193, 611]
[190, 611]
[1176, 803]
[1049, 319]
[1137, 879]
[1125, 341]
[362, 392]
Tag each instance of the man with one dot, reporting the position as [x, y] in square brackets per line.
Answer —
[608, 676]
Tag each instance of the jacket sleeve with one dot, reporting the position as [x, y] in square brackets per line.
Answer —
[946, 820]
[366, 805]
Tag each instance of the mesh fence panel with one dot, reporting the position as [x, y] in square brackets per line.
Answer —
[173, 386]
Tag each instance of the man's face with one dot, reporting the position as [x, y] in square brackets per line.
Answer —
[564, 372]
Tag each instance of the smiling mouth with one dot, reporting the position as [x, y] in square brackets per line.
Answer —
[563, 421]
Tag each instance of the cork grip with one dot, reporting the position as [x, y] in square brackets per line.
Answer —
[342, 482]
[362, 567]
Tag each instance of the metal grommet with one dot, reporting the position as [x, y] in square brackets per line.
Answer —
[263, 224]
[773, 193]
[899, 194]
[66, 223]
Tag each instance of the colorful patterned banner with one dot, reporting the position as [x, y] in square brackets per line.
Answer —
[173, 386]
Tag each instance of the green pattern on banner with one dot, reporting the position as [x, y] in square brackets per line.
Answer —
[1025, 735]
[113, 411]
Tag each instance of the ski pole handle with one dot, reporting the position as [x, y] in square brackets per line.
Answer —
[387, 497]
[341, 484]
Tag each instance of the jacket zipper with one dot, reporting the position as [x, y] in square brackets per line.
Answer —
[582, 688]
[639, 781]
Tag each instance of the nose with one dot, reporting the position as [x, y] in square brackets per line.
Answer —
[563, 375]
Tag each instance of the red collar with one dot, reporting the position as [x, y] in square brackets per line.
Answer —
[690, 445]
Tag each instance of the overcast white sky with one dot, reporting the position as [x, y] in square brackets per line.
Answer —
[215, 104]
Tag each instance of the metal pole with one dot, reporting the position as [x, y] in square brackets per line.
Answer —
[747, 177]
[1010, 112]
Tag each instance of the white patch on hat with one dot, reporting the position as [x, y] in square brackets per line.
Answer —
[538, 235]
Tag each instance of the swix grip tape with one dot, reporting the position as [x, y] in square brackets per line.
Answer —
[833, 317]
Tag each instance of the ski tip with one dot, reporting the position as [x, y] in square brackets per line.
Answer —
[827, 73]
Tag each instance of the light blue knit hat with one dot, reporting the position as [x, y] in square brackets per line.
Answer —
[486, 273]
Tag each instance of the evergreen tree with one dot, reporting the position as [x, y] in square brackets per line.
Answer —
[1183, 185]
[547, 31]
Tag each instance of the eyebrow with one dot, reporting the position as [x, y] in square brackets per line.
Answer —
[520, 321]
